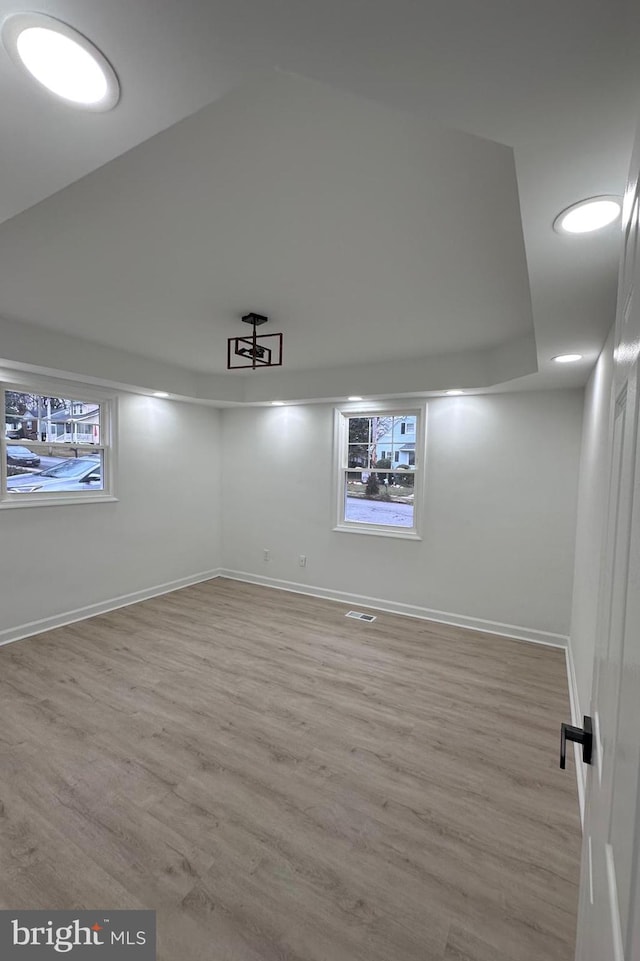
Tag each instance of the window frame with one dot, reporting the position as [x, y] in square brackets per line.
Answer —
[76, 391]
[340, 467]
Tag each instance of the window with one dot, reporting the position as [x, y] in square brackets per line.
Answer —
[54, 448]
[378, 472]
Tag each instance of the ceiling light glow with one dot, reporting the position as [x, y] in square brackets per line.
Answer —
[62, 60]
[354, 398]
[61, 65]
[454, 393]
[567, 358]
[160, 393]
[588, 215]
[277, 403]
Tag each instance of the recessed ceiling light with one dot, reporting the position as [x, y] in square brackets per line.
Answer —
[160, 393]
[277, 403]
[454, 393]
[567, 358]
[354, 398]
[62, 60]
[588, 215]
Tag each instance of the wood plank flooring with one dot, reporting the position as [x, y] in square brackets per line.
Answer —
[282, 783]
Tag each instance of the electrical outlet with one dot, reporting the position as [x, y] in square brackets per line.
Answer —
[302, 560]
[266, 554]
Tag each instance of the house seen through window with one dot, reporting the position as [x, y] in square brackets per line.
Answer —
[378, 471]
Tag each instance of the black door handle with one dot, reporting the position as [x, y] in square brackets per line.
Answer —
[581, 735]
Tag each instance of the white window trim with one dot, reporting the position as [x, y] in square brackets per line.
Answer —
[108, 423]
[341, 416]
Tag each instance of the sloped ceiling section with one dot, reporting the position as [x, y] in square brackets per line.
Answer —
[389, 252]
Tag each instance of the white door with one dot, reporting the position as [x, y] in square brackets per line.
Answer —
[609, 911]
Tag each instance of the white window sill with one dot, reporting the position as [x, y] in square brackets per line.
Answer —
[398, 532]
[30, 500]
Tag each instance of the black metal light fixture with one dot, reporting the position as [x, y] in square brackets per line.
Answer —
[260, 350]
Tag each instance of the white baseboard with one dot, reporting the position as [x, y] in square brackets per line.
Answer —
[512, 631]
[102, 607]
[576, 720]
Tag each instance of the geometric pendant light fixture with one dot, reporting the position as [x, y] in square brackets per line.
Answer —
[256, 350]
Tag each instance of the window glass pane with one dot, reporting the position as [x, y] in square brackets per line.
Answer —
[359, 430]
[382, 435]
[404, 441]
[36, 417]
[59, 471]
[379, 497]
[358, 455]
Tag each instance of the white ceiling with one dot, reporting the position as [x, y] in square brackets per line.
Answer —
[372, 277]
[366, 234]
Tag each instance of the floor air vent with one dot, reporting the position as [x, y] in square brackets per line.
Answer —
[361, 617]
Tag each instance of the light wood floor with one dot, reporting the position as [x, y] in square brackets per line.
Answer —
[282, 783]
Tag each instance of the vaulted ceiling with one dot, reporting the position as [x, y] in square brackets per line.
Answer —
[381, 179]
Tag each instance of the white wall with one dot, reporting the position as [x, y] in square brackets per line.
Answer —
[500, 508]
[499, 519]
[594, 476]
[164, 527]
